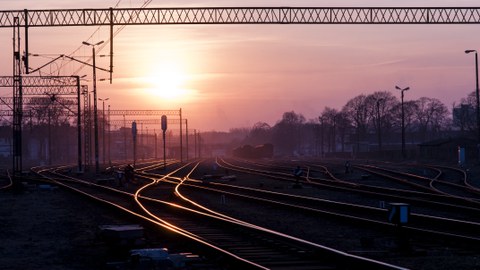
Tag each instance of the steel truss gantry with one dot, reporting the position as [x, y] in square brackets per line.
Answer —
[41, 90]
[145, 112]
[232, 15]
[242, 15]
[41, 101]
[39, 85]
[156, 113]
[183, 123]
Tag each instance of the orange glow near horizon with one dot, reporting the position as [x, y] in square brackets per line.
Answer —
[168, 84]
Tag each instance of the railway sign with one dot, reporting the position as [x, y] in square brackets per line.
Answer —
[398, 213]
[164, 123]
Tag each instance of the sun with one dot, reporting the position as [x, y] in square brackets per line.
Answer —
[168, 84]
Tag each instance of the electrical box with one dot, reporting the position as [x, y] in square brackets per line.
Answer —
[398, 213]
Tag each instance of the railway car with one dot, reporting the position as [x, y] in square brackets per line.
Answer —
[264, 150]
[249, 152]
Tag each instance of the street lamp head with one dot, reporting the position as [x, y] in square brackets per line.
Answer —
[404, 89]
[470, 51]
[90, 44]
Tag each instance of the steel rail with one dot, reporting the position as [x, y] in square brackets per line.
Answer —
[383, 193]
[333, 252]
[432, 183]
[9, 183]
[346, 211]
[465, 177]
[143, 112]
[357, 261]
[159, 223]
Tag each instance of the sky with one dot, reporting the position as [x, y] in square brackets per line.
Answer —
[231, 76]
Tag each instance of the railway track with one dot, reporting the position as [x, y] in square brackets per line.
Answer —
[370, 195]
[245, 245]
[6, 181]
[455, 230]
[449, 192]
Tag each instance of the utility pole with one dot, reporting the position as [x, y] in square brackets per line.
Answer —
[403, 120]
[95, 116]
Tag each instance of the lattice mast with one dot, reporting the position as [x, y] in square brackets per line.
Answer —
[17, 100]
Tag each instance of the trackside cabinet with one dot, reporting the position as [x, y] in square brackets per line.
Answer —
[398, 213]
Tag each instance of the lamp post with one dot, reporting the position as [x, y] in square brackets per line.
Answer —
[476, 91]
[403, 119]
[378, 125]
[322, 119]
[103, 128]
[95, 118]
[109, 139]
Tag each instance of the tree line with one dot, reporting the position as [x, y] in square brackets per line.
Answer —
[366, 123]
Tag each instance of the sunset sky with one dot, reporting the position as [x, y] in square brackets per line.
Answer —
[225, 76]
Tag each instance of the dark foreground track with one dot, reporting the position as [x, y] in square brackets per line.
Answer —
[232, 243]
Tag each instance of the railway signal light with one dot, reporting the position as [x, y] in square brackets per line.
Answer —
[164, 123]
[134, 129]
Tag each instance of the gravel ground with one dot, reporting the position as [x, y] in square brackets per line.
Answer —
[51, 229]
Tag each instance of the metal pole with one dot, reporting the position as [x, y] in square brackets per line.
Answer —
[79, 126]
[186, 136]
[124, 138]
[379, 128]
[403, 128]
[109, 139]
[195, 140]
[156, 144]
[402, 90]
[95, 117]
[164, 153]
[104, 122]
[103, 131]
[90, 129]
[477, 95]
[199, 145]
[181, 139]
[26, 60]
[49, 136]
[322, 137]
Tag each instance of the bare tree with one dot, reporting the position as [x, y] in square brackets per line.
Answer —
[410, 107]
[380, 105]
[328, 121]
[356, 111]
[287, 133]
[260, 133]
[432, 116]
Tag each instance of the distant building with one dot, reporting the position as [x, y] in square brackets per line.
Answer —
[5, 147]
[447, 149]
